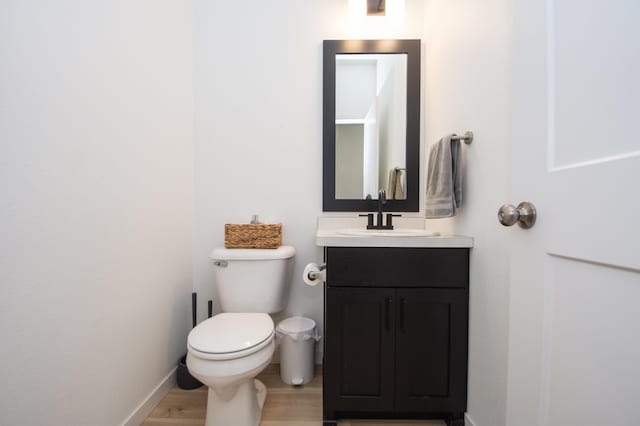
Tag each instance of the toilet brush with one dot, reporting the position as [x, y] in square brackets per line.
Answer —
[184, 379]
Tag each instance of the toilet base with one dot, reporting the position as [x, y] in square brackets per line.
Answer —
[261, 393]
[245, 408]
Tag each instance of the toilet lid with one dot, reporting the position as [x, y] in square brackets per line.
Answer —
[231, 332]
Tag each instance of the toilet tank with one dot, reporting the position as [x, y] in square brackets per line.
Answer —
[253, 280]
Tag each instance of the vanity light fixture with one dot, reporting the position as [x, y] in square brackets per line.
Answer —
[375, 19]
[376, 8]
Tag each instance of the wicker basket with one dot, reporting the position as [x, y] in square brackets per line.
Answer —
[263, 236]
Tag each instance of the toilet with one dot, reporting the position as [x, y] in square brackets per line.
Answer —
[227, 351]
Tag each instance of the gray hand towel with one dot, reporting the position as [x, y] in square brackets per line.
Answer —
[399, 189]
[395, 186]
[391, 185]
[444, 179]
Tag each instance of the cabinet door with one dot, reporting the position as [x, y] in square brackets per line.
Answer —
[359, 350]
[431, 350]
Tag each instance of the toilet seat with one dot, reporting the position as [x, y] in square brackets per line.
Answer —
[231, 335]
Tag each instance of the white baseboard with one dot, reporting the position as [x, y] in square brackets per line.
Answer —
[468, 421]
[144, 409]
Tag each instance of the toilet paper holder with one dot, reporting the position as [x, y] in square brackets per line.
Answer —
[312, 275]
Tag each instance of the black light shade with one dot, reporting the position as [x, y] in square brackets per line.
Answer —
[375, 7]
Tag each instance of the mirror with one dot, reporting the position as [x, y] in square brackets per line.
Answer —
[371, 124]
[371, 105]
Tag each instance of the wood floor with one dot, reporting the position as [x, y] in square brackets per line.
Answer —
[285, 406]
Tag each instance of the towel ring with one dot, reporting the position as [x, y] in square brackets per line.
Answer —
[467, 138]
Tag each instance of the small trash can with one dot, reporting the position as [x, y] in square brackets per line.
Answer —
[298, 336]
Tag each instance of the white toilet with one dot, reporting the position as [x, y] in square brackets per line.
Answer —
[226, 352]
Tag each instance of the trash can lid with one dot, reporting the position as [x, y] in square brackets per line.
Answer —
[296, 325]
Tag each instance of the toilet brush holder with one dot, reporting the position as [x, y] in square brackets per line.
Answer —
[184, 379]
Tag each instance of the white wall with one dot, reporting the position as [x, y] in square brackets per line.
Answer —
[355, 88]
[392, 70]
[96, 205]
[258, 126]
[467, 81]
[350, 161]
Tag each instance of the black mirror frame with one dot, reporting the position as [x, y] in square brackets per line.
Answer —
[330, 49]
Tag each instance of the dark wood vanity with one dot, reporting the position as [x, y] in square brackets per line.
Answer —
[396, 324]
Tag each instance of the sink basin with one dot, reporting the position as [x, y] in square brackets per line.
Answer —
[409, 232]
[406, 232]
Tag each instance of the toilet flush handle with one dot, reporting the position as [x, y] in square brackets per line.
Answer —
[221, 263]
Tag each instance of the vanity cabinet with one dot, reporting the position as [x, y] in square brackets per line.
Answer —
[396, 333]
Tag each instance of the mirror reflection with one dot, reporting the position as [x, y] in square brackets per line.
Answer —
[370, 125]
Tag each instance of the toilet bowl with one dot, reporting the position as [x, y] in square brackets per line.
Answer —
[227, 351]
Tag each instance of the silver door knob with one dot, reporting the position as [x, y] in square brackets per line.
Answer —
[524, 215]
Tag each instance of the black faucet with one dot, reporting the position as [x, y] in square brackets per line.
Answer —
[382, 200]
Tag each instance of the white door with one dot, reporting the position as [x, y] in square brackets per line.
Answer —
[574, 348]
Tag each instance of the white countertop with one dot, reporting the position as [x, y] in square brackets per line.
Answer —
[330, 233]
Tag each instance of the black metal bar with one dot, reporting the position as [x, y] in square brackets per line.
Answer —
[403, 302]
[387, 313]
[194, 307]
